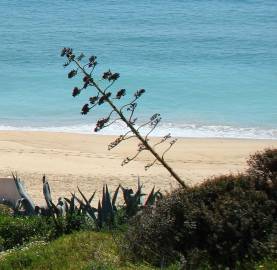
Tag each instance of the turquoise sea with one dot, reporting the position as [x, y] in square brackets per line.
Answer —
[208, 66]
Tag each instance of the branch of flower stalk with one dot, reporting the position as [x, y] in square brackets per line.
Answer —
[131, 109]
[110, 85]
[144, 125]
[170, 145]
[128, 159]
[149, 165]
[166, 137]
[118, 140]
[115, 120]
[154, 125]
[111, 113]
[128, 104]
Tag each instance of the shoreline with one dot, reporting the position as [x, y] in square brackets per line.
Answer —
[176, 130]
[70, 160]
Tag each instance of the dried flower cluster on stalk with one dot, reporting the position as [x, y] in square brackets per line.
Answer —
[123, 113]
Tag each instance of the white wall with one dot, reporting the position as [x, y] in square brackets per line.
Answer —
[8, 190]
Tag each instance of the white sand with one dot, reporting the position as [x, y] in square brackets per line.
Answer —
[69, 160]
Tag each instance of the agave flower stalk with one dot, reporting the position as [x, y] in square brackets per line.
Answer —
[124, 113]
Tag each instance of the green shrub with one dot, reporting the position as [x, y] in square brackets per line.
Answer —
[15, 231]
[18, 230]
[264, 164]
[263, 167]
[87, 251]
[226, 221]
[70, 223]
[79, 250]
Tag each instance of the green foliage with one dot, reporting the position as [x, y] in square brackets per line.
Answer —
[15, 231]
[264, 164]
[225, 220]
[87, 251]
[266, 264]
[82, 250]
[68, 215]
[263, 167]
[70, 223]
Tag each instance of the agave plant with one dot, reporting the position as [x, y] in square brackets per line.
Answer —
[68, 212]
[105, 213]
[133, 200]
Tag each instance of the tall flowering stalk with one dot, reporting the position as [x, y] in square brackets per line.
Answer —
[124, 113]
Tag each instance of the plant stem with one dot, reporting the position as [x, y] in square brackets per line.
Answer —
[135, 132]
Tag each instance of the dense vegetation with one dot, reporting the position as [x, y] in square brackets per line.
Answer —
[15, 231]
[87, 251]
[228, 221]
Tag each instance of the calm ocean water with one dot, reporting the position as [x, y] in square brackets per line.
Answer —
[209, 66]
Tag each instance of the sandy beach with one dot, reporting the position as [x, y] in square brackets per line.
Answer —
[71, 160]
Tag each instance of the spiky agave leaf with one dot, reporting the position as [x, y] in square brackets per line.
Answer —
[91, 197]
[153, 197]
[133, 200]
[150, 199]
[130, 201]
[46, 191]
[102, 206]
[159, 195]
[107, 209]
[78, 203]
[86, 207]
[114, 198]
[137, 196]
[28, 203]
[54, 209]
[84, 197]
[127, 194]
[72, 204]
[99, 215]
[103, 203]
[138, 183]
[108, 201]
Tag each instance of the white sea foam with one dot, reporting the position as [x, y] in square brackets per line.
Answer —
[185, 130]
